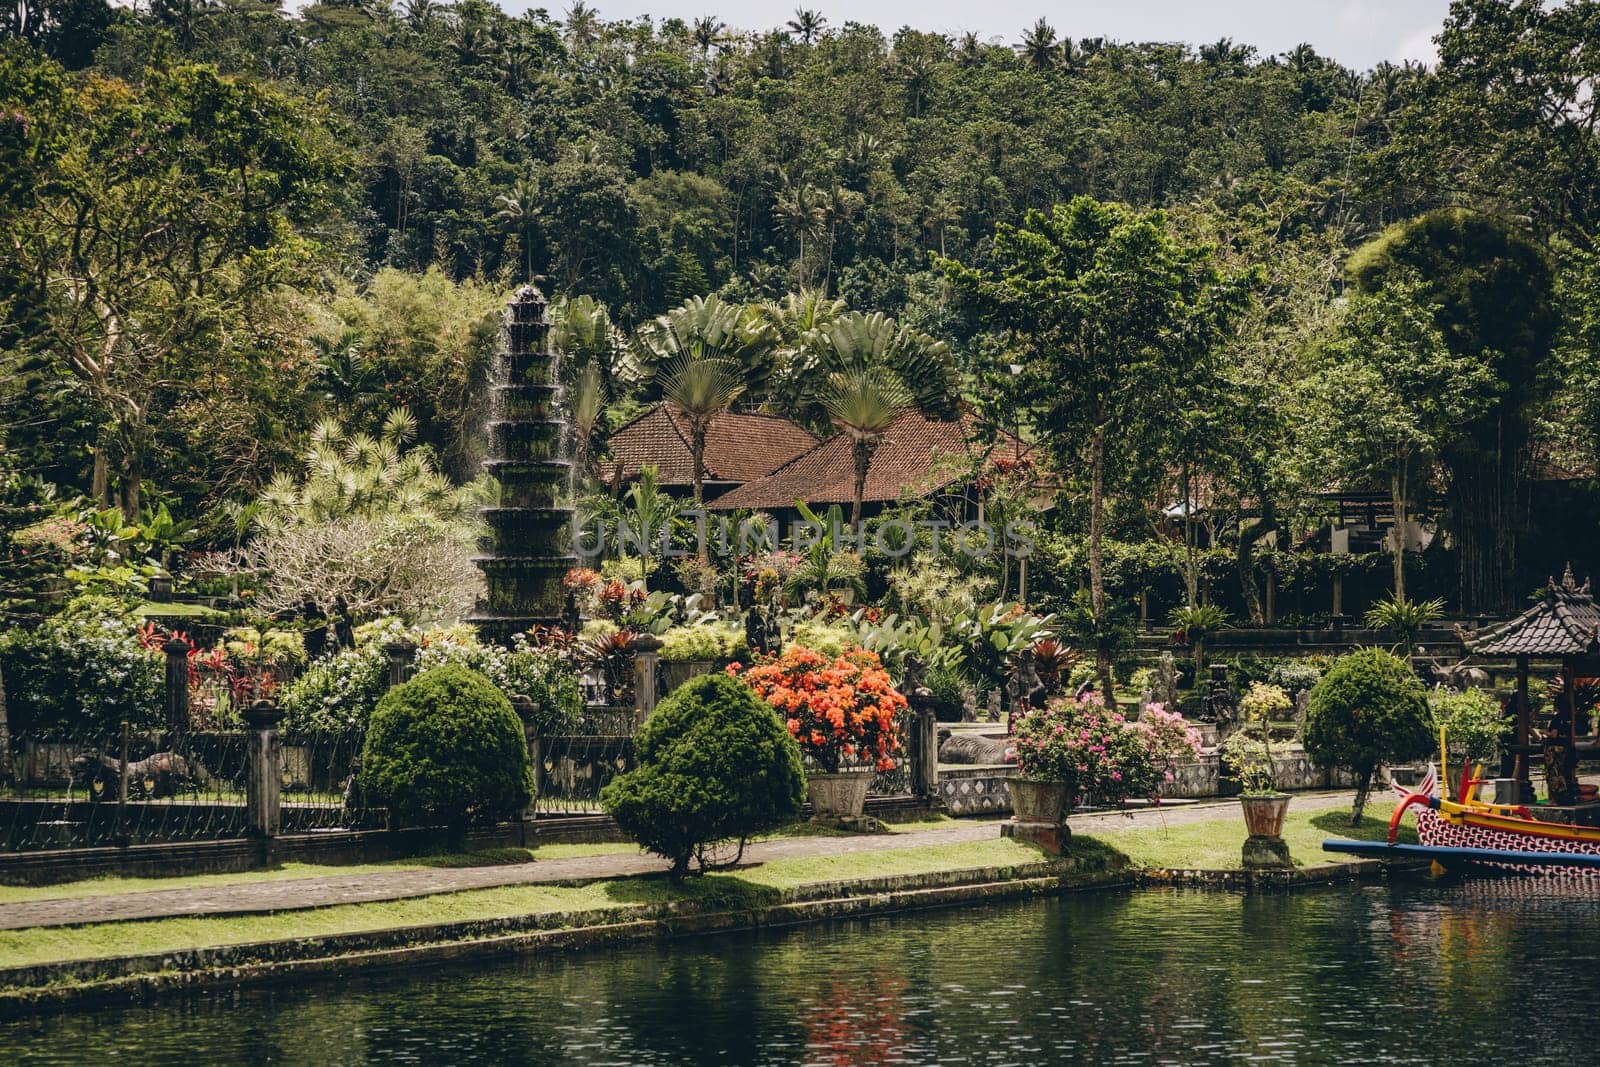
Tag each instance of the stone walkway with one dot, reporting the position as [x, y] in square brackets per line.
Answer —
[324, 890]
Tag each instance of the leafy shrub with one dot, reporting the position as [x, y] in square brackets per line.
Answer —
[446, 746]
[1248, 757]
[1472, 720]
[1247, 670]
[80, 677]
[823, 638]
[338, 692]
[1295, 675]
[1264, 701]
[1369, 709]
[949, 688]
[1141, 679]
[682, 644]
[714, 764]
[543, 675]
[842, 710]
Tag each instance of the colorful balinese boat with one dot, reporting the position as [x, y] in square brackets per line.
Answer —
[1495, 835]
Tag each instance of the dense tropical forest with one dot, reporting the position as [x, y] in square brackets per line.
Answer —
[235, 234]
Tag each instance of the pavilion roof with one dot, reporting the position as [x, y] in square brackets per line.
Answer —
[1565, 622]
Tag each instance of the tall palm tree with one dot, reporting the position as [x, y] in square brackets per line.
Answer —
[864, 401]
[806, 24]
[700, 384]
[1039, 47]
[800, 210]
[588, 403]
[420, 14]
[518, 209]
[708, 33]
[583, 23]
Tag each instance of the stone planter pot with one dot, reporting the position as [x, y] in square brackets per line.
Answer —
[1264, 815]
[838, 796]
[1039, 814]
[1038, 802]
[675, 672]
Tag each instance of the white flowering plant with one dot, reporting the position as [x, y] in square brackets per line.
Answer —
[80, 676]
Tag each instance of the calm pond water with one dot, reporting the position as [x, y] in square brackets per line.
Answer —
[1407, 974]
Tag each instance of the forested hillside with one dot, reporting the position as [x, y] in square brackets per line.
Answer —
[317, 214]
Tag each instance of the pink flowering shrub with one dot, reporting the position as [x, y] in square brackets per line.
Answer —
[1171, 739]
[1097, 752]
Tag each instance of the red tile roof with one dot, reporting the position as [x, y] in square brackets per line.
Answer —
[739, 448]
[905, 459]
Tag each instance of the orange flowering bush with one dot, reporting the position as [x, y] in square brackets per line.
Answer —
[842, 710]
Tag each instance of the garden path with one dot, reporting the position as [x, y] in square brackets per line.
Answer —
[325, 890]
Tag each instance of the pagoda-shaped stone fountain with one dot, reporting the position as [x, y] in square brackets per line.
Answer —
[529, 545]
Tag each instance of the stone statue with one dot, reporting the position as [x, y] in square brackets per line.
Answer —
[1166, 682]
[316, 629]
[969, 705]
[755, 631]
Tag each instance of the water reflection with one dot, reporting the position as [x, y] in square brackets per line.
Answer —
[1411, 974]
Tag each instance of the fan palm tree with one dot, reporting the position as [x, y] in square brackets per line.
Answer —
[706, 325]
[700, 384]
[864, 401]
[1039, 48]
[924, 365]
[806, 24]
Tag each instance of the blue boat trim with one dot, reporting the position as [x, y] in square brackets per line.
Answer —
[1379, 850]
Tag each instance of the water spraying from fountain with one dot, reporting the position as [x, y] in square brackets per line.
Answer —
[529, 545]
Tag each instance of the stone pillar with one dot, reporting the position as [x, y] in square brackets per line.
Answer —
[646, 668]
[923, 745]
[527, 711]
[263, 768]
[400, 653]
[177, 651]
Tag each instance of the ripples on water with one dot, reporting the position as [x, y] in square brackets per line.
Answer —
[1412, 974]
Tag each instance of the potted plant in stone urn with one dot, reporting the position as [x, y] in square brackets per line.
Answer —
[1074, 749]
[1248, 756]
[844, 713]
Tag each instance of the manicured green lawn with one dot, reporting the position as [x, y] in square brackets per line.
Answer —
[747, 887]
[1215, 843]
[95, 887]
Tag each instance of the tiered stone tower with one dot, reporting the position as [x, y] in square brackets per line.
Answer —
[529, 545]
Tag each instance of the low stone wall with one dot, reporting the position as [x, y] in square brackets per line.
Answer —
[976, 790]
[1293, 770]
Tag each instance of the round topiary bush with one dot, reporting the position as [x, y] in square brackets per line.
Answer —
[446, 747]
[714, 764]
[1368, 710]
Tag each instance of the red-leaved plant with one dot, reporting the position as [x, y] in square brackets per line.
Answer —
[842, 711]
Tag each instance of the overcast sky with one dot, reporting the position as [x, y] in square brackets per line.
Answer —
[1358, 33]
